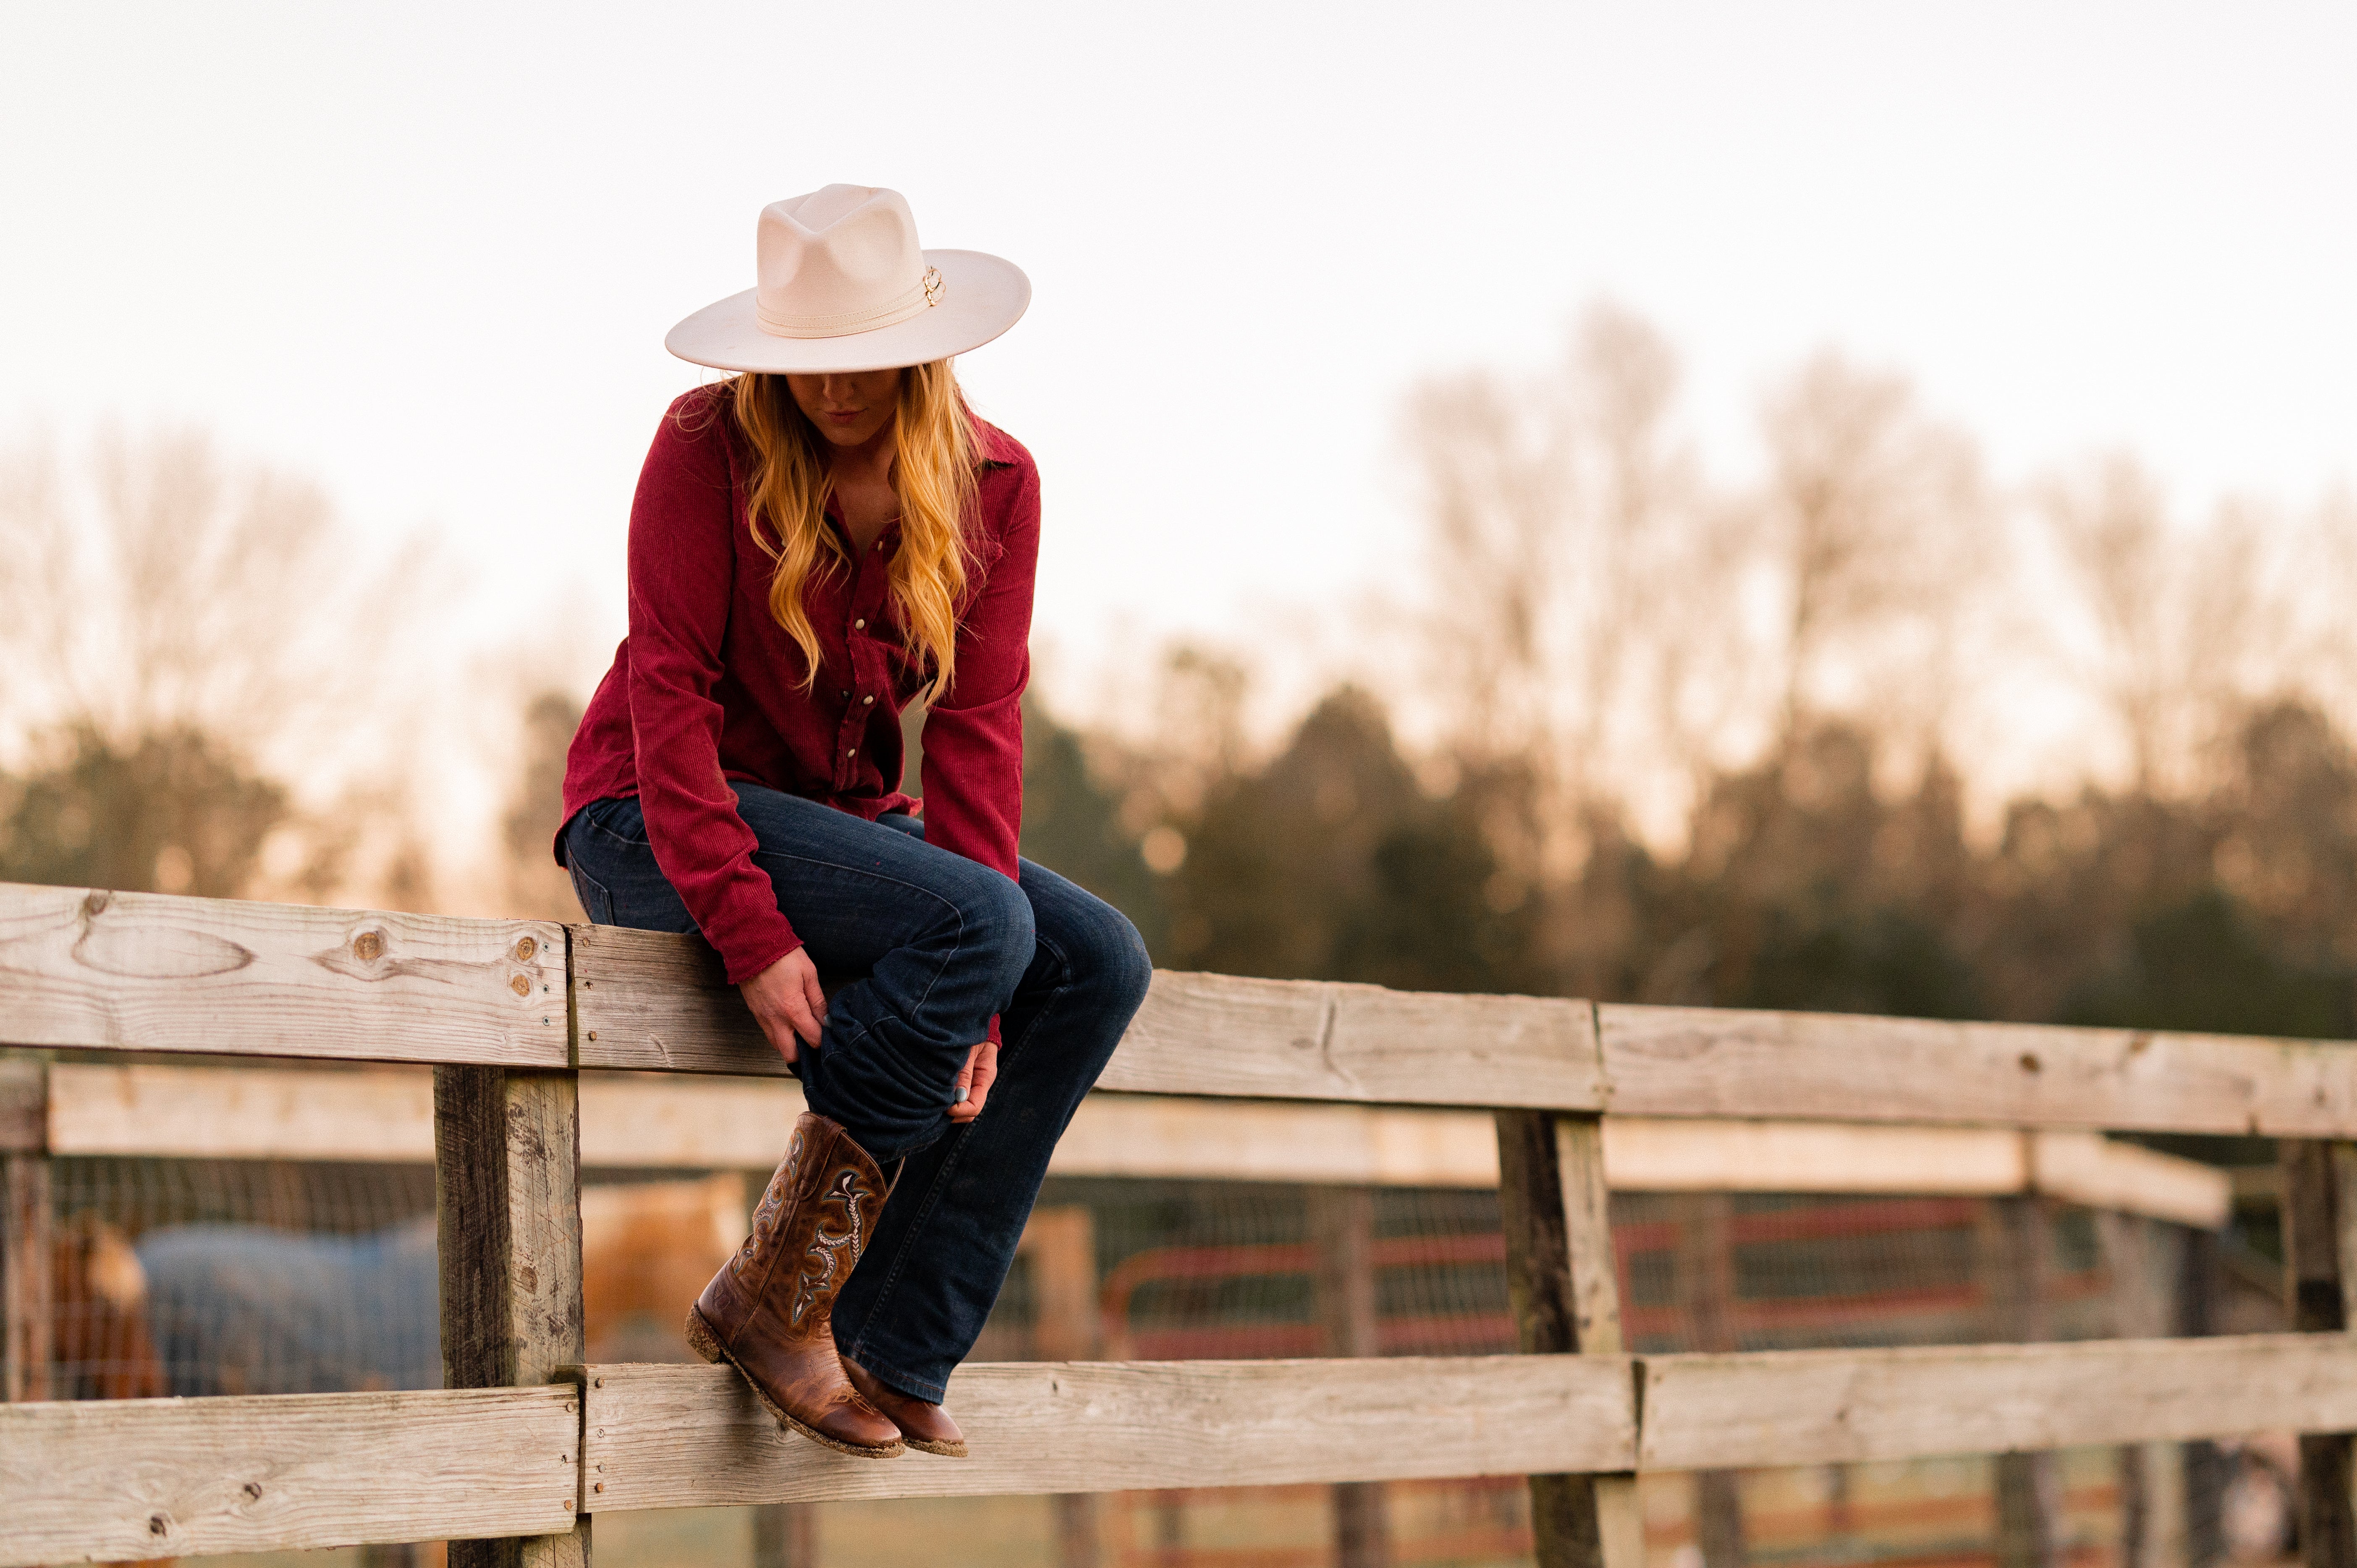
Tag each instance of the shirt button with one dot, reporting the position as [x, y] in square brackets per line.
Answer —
[859, 626]
[853, 752]
[867, 699]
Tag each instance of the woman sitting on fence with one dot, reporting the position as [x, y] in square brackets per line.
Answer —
[817, 542]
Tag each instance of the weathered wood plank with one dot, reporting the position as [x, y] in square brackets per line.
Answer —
[140, 1478]
[1649, 1153]
[648, 1000]
[2320, 1190]
[24, 1107]
[27, 1315]
[1697, 1061]
[677, 1436]
[2096, 1172]
[709, 1122]
[1847, 1406]
[143, 972]
[508, 1229]
[383, 1113]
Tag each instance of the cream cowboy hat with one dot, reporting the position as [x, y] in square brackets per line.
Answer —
[844, 286]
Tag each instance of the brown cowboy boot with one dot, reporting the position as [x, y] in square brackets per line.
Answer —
[922, 1423]
[769, 1310]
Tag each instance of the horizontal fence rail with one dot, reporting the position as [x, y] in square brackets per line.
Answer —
[152, 972]
[642, 1120]
[1551, 1101]
[246, 1473]
[114, 1480]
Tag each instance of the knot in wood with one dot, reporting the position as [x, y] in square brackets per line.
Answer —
[525, 949]
[521, 986]
[369, 946]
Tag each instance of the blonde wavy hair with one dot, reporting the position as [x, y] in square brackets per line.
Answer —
[933, 474]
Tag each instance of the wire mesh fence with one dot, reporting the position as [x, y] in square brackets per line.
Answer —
[204, 1277]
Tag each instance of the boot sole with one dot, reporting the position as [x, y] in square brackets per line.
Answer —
[707, 1344]
[946, 1450]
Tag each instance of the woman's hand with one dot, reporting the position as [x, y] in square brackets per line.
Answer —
[787, 1002]
[974, 1080]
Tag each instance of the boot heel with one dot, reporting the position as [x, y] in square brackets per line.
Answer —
[701, 1340]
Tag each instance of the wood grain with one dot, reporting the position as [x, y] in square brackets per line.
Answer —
[1847, 1406]
[508, 1225]
[507, 1189]
[666, 1436]
[648, 1000]
[144, 972]
[1697, 1061]
[145, 1479]
[1565, 1291]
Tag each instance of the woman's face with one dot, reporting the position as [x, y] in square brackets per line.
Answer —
[849, 409]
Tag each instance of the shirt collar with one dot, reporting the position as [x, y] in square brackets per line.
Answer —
[993, 445]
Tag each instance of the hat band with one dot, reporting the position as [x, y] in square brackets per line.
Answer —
[928, 291]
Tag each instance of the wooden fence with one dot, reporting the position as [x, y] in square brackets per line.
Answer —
[525, 1444]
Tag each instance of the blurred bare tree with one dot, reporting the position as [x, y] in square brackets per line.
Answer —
[1564, 537]
[537, 888]
[188, 644]
[1874, 528]
[2186, 627]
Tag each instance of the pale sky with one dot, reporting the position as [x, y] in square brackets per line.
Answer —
[428, 252]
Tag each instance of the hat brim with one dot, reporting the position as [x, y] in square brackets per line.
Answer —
[983, 296]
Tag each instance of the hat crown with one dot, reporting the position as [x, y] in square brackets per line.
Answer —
[840, 259]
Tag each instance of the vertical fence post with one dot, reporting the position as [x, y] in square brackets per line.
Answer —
[2142, 1256]
[2201, 1288]
[1060, 1244]
[2028, 1501]
[26, 1332]
[2319, 1231]
[1343, 1224]
[506, 1192]
[1706, 1283]
[1562, 1278]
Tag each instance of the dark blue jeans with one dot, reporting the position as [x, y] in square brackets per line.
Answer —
[938, 943]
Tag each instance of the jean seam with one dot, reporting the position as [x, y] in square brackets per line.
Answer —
[604, 894]
[957, 943]
[932, 1198]
[1055, 995]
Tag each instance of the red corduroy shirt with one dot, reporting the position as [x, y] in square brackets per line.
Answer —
[707, 687]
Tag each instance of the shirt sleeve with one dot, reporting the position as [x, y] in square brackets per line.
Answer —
[681, 573]
[973, 769]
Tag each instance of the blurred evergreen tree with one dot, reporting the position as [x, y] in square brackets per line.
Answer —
[1331, 865]
[1072, 825]
[537, 888]
[176, 811]
[2204, 965]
